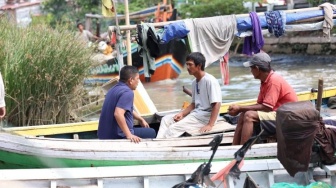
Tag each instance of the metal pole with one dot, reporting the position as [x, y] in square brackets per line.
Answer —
[128, 35]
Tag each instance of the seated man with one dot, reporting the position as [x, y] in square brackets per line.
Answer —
[116, 118]
[274, 91]
[203, 111]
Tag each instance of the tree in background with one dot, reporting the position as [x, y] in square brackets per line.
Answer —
[208, 8]
[71, 11]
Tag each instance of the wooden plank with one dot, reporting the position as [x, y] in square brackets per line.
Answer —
[88, 150]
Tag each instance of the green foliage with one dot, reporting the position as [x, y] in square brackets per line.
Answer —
[208, 8]
[137, 5]
[43, 71]
[316, 3]
[71, 11]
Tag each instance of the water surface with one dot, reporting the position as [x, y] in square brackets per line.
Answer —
[301, 71]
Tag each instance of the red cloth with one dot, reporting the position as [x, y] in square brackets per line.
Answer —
[113, 38]
[275, 91]
[221, 175]
[224, 67]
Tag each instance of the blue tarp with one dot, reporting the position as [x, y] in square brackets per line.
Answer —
[244, 24]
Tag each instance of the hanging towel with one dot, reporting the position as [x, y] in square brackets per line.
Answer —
[224, 67]
[212, 37]
[328, 23]
[276, 22]
[254, 43]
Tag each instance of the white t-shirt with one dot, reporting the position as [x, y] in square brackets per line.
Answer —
[204, 93]
[85, 36]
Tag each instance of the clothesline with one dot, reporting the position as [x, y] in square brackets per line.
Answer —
[161, 24]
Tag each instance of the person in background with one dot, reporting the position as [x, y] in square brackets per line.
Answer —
[203, 111]
[84, 35]
[116, 118]
[2, 99]
[274, 92]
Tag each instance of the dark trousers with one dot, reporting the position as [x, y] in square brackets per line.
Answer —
[144, 132]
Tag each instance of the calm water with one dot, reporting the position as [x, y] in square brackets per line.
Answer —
[301, 71]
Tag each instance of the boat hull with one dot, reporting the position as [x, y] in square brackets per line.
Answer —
[31, 152]
[168, 64]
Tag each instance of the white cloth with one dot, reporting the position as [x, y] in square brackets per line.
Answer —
[2, 92]
[328, 18]
[209, 92]
[211, 36]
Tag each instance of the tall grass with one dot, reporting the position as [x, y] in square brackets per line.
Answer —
[43, 71]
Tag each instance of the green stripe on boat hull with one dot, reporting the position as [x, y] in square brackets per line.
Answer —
[9, 160]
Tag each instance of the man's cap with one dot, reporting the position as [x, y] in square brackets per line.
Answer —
[260, 59]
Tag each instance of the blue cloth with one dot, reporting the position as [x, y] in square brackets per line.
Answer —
[276, 21]
[254, 43]
[118, 96]
[245, 24]
[174, 30]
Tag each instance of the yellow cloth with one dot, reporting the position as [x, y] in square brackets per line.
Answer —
[108, 50]
[106, 8]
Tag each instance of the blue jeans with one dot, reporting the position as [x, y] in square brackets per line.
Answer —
[144, 132]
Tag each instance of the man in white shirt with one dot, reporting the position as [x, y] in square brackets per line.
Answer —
[203, 111]
[84, 35]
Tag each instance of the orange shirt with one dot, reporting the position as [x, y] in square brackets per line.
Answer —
[275, 91]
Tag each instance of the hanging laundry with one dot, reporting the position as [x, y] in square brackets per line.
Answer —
[173, 31]
[254, 43]
[328, 23]
[144, 47]
[212, 37]
[224, 67]
[276, 22]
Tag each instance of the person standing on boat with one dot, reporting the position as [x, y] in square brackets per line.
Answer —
[84, 35]
[203, 111]
[2, 99]
[116, 118]
[274, 92]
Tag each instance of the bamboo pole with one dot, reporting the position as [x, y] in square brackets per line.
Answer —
[319, 95]
[128, 35]
[117, 32]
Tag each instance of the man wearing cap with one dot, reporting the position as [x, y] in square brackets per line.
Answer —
[274, 92]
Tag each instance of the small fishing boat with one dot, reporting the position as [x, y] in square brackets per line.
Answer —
[45, 146]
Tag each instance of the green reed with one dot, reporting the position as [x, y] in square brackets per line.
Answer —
[43, 71]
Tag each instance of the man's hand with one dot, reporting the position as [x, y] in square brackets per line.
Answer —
[206, 128]
[234, 110]
[144, 123]
[2, 112]
[178, 117]
[134, 138]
